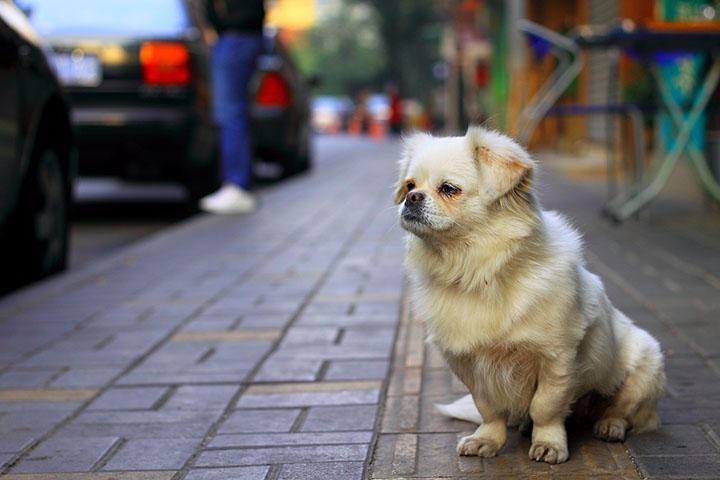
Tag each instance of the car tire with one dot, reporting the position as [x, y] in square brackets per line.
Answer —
[40, 246]
[300, 160]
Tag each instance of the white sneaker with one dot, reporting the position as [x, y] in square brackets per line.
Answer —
[229, 200]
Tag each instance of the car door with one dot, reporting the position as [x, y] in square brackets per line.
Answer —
[9, 117]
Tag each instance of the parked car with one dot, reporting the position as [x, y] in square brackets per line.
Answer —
[137, 74]
[280, 115]
[36, 155]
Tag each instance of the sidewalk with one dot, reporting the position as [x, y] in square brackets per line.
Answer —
[245, 347]
[665, 274]
[279, 346]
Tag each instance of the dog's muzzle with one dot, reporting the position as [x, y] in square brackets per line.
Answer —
[413, 209]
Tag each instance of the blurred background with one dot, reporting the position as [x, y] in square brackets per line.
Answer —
[114, 97]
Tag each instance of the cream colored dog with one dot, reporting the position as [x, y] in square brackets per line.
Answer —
[510, 304]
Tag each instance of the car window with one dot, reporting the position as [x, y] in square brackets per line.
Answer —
[106, 17]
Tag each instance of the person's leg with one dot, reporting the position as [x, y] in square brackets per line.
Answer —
[233, 65]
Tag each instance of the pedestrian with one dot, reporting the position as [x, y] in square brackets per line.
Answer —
[396, 115]
[239, 25]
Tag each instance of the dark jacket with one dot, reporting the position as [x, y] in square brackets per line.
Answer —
[236, 15]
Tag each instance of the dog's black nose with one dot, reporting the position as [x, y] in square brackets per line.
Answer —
[415, 198]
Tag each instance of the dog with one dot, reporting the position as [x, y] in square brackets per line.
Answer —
[507, 299]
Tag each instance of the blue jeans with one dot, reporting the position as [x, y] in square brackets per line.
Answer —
[233, 63]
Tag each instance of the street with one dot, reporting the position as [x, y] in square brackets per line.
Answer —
[280, 345]
[110, 214]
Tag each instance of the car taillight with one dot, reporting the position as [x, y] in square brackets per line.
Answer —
[273, 91]
[165, 63]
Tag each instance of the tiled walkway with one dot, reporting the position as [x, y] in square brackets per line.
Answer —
[261, 347]
[248, 347]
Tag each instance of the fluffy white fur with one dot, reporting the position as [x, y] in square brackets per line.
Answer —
[508, 301]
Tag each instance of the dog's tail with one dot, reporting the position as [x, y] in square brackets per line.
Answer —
[463, 409]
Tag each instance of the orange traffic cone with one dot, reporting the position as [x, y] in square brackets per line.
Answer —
[377, 130]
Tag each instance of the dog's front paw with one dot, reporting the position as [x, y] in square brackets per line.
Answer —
[473, 445]
[610, 429]
[548, 452]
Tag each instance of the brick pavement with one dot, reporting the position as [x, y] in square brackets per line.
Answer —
[262, 347]
[664, 272]
[247, 347]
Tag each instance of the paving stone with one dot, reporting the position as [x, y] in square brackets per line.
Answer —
[64, 454]
[673, 440]
[402, 414]
[685, 467]
[279, 439]
[306, 399]
[86, 377]
[128, 398]
[153, 454]
[338, 418]
[322, 471]
[258, 320]
[142, 424]
[235, 473]
[357, 370]
[395, 456]
[20, 424]
[11, 443]
[226, 336]
[27, 378]
[205, 397]
[264, 456]
[255, 421]
[282, 370]
[310, 336]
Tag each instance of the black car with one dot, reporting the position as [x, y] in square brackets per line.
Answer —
[137, 74]
[36, 156]
[281, 114]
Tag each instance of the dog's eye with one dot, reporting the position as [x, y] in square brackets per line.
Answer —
[448, 189]
[410, 186]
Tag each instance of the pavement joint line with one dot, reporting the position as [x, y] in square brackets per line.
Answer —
[232, 404]
[226, 336]
[105, 458]
[188, 318]
[46, 394]
[206, 356]
[322, 371]
[61, 371]
[167, 394]
[300, 420]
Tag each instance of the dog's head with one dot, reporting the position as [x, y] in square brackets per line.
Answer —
[454, 185]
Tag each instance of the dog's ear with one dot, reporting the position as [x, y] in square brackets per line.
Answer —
[410, 144]
[502, 161]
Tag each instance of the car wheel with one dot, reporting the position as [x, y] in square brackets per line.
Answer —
[42, 240]
[300, 159]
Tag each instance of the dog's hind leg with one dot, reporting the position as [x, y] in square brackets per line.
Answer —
[634, 406]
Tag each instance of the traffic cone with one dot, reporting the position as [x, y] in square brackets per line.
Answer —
[377, 130]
